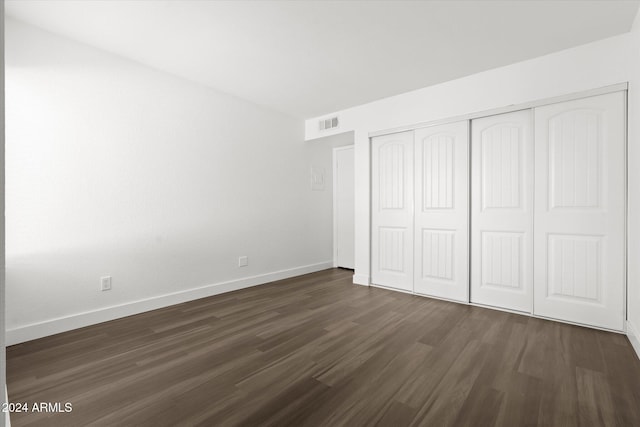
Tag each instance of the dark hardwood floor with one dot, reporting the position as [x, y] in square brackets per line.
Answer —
[317, 350]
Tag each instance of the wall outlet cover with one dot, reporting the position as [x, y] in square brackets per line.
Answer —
[105, 283]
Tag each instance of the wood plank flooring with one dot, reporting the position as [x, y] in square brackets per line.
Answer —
[317, 350]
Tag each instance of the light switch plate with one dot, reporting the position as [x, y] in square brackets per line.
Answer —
[317, 179]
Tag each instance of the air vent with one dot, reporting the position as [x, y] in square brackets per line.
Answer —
[330, 123]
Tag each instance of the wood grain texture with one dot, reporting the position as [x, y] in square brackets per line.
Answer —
[316, 350]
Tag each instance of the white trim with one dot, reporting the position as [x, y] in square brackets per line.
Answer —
[507, 109]
[79, 320]
[389, 288]
[456, 301]
[634, 337]
[506, 310]
[7, 415]
[333, 198]
[625, 266]
[361, 279]
[551, 319]
[334, 167]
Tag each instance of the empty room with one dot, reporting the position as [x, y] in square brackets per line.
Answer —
[320, 213]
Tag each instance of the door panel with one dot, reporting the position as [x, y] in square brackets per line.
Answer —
[392, 211]
[580, 211]
[442, 211]
[502, 211]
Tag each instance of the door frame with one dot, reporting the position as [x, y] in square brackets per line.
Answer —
[619, 87]
[334, 166]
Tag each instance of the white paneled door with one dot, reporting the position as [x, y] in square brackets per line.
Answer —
[441, 260]
[502, 211]
[392, 211]
[580, 211]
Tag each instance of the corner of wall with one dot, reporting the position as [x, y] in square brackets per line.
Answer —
[7, 416]
[361, 279]
[633, 225]
[634, 337]
[3, 420]
[636, 21]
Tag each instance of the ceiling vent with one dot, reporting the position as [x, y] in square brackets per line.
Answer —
[330, 123]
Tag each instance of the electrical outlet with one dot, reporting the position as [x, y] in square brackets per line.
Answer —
[105, 283]
[243, 261]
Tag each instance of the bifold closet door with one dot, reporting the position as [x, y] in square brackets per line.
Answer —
[441, 260]
[502, 211]
[580, 211]
[392, 211]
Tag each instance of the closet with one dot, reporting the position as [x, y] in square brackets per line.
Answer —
[523, 210]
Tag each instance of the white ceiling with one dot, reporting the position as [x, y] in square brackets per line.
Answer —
[308, 58]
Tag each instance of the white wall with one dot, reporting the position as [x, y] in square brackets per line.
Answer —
[320, 157]
[590, 66]
[116, 169]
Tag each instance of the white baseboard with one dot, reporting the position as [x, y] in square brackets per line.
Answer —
[361, 279]
[79, 320]
[634, 337]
